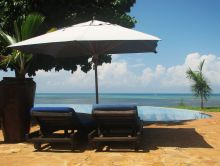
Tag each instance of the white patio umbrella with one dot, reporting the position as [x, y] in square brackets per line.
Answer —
[94, 38]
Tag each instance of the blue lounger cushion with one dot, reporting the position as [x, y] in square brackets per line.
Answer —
[53, 109]
[114, 107]
[83, 120]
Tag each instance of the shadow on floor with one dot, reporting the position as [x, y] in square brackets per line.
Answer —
[153, 138]
[173, 137]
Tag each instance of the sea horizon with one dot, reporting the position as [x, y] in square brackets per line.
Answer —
[145, 99]
[117, 93]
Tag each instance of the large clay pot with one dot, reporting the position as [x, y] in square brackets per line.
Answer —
[17, 98]
[0, 106]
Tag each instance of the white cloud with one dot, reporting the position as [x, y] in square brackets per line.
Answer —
[115, 56]
[173, 79]
[147, 75]
[138, 65]
[118, 77]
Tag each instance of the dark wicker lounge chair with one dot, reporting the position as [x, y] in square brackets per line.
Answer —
[116, 123]
[52, 119]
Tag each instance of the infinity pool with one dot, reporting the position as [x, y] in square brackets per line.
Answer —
[146, 113]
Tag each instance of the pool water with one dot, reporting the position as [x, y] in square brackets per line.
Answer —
[155, 114]
[146, 113]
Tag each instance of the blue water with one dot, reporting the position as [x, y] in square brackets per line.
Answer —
[139, 99]
[146, 113]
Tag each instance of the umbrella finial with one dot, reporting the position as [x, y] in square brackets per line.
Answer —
[93, 19]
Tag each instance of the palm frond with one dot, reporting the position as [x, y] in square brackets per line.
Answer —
[17, 31]
[201, 65]
[200, 85]
[192, 75]
[5, 61]
[6, 39]
[30, 25]
[22, 30]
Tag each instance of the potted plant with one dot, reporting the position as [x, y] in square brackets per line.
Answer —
[17, 93]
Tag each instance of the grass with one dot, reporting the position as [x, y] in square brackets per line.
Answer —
[206, 109]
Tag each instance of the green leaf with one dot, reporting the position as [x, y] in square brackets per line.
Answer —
[200, 86]
[201, 65]
[17, 31]
[16, 59]
[6, 39]
[31, 25]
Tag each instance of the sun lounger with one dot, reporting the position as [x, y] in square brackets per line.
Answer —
[116, 123]
[53, 119]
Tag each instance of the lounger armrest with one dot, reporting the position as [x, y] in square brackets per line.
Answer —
[31, 135]
[72, 135]
[140, 123]
[140, 127]
[139, 133]
[92, 134]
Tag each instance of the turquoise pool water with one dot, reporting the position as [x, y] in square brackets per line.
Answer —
[146, 113]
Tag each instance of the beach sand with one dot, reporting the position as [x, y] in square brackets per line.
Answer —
[192, 143]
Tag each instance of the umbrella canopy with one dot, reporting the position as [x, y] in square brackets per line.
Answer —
[94, 38]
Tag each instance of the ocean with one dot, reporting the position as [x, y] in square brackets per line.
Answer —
[139, 99]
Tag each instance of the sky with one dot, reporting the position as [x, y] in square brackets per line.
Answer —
[190, 32]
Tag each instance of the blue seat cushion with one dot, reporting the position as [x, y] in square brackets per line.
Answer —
[53, 109]
[83, 120]
[114, 107]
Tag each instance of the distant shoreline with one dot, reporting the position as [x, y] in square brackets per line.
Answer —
[144, 99]
[129, 93]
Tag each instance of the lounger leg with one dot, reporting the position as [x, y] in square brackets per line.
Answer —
[137, 145]
[95, 145]
[72, 146]
[66, 133]
[37, 145]
[72, 141]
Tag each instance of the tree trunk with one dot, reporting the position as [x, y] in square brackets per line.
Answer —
[202, 102]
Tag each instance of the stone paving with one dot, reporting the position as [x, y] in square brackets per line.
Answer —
[193, 143]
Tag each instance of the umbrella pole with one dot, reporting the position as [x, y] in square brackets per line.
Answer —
[96, 80]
